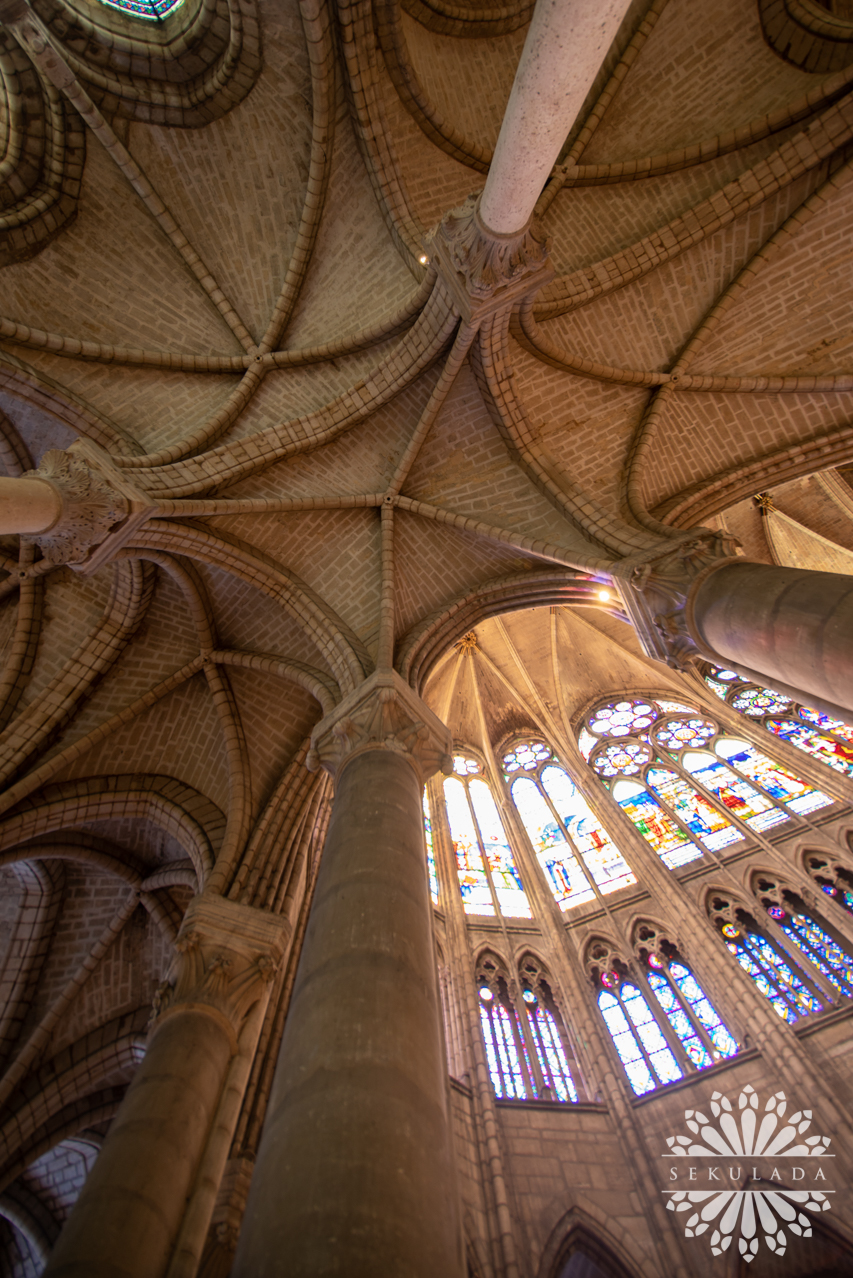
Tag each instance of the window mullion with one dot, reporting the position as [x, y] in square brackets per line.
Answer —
[673, 1041]
[570, 843]
[781, 940]
[637, 1038]
[482, 849]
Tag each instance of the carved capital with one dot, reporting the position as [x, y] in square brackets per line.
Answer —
[382, 714]
[482, 269]
[226, 958]
[100, 509]
[658, 590]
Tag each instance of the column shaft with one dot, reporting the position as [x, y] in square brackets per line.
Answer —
[28, 505]
[126, 1220]
[791, 626]
[354, 1172]
[564, 49]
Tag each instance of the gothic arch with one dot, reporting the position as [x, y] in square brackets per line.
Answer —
[586, 1230]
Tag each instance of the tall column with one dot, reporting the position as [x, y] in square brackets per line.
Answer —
[158, 1163]
[786, 627]
[565, 47]
[793, 626]
[354, 1174]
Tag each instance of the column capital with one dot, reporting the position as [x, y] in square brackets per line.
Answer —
[658, 586]
[483, 269]
[226, 958]
[100, 509]
[383, 713]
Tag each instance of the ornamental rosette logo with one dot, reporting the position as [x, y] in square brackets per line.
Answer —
[767, 1149]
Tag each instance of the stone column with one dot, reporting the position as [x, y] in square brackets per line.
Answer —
[354, 1174]
[793, 626]
[151, 1173]
[785, 627]
[28, 505]
[565, 47]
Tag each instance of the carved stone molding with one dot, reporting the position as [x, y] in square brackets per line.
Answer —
[100, 509]
[226, 958]
[484, 270]
[382, 714]
[657, 591]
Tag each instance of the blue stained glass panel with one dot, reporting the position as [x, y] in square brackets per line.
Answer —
[651, 1036]
[702, 1009]
[506, 879]
[502, 1052]
[777, 982]
[679, 1020]
[433, 879]
[639, 1074]
[552, 1057]
[154, 10]
[824, 952]
[473, 883]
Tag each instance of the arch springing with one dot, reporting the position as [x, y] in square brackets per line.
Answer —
[575, 851]
[824, 738]
[488, 876]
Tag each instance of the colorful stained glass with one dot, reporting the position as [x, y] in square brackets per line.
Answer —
[840, 729]
[730, 676]
[650, 1034]
[675, 707]
[773, 977]
[465, 767]
[600, 854]
[691, 1040]
[527, 756]
[756, 702]
[818, 946]
[624, 718]
[502, 1051]
[835, 754]
[777, 781]
[679, 734]
[626, 1043]
[568, 882]
[587, 742]
[721, 689]
[655, 825]
[702, 1009]
[154, 10]
[433, 879]
[621, 759]
[701, 817]
[473, 882]
[551, 1054]
[737, 795]
[506, 880]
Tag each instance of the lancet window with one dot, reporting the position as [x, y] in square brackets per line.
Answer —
[526, 1047]
[661, 1021]
[575, 851]
[826, 739]
[488, 876]
[433, 877]
[790, 984]
[685, 786]
[809, 933]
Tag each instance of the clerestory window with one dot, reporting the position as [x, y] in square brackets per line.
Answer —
[488, 876]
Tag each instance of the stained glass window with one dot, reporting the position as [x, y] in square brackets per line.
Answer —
[736, 795]
[814, 942]
[773, 976]
[689, 1012]
[486, 865]
[433, 879]
[776, 780]
[825, 738]
[701, 818]
[655, 825]
[571, 845]
[833, 879]
[637, 1037]
[154, 10]
[525, 1048]
[502, 1038]
[555, 1081]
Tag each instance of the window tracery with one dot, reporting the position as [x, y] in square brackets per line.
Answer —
[651, 753]
[832, 878]
[828, 740]
[573, 848]
[783, 983]
[640, 1042]
[526, 1048]
[154, 10]
[488, 876]
[793, 916]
